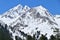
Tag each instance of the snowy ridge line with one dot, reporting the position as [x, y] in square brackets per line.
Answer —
[23, 21]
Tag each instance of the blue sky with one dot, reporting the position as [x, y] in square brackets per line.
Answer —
[52, 5]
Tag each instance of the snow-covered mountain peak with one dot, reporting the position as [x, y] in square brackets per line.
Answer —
[19, 11]
[19, 6]
[13, 10]
[43, 11]
[40, 7]
[26, 7]
[28, 21]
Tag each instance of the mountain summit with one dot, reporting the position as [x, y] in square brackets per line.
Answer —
[23, 21]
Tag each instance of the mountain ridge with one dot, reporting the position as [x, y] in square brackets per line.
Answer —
[29, 21]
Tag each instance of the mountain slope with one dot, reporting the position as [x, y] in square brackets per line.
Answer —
[23, 21]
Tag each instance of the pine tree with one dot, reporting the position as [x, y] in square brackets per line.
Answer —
[57, 32]
[33, 37]
[0, 24]
[43, 37]
[52, 37]
[6, 26]
[57, 37]
[17, 38]
[4, 34]
[29, 37]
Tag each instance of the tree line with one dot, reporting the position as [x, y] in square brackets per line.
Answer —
[4, 35]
